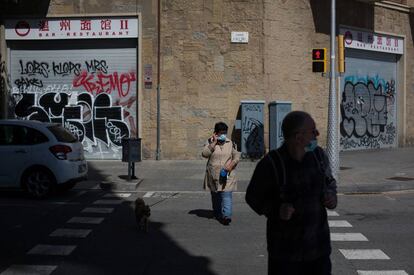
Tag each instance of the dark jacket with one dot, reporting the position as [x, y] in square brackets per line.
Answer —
[279, 178]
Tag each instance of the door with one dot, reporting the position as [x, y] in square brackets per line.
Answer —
[369, 101]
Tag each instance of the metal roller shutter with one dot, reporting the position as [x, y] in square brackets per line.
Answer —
[90, 87]
[369, 101]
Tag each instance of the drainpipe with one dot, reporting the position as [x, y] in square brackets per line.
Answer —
[158, 81]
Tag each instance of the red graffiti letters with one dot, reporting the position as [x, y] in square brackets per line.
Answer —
[105, 83]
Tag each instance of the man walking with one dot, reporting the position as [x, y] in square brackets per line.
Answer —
[292, 186]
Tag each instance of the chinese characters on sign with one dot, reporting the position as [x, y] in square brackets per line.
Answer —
[372, 41]
[72, 28]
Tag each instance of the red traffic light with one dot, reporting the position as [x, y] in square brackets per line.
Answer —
[319, 60]
[319, 54]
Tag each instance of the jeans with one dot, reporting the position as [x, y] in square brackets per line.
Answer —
[222, 204]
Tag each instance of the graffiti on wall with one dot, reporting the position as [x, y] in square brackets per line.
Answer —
[252, 131]
[2, 74]
[89, 99]
[368, 113]
[4, 78]
[5, 87]
[253, 137]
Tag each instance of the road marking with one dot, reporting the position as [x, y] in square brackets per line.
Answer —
[29, 270]
[59, 250]
[339, 223]
[382, 272]
[39, 204]
[118, 195]
[389, 198]
[332, 213]
[348, 237]
[98, 210]
[88, 220]
[364, 254]
[108, 202]
[148, 194]
[70, 233]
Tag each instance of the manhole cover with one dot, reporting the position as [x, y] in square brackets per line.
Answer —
[344, 168]
[401, 178]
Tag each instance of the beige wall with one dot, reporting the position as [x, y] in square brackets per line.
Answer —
[204, 76]
[396, 22]
[289, 38]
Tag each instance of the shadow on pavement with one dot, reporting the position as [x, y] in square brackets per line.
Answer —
[131, 251]
[118, 246]
[113, 246]
[24, 196]
[202, 213]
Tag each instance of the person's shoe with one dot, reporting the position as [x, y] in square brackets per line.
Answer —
[225, 221]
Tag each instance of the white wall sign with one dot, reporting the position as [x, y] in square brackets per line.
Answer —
[239, 37]
[148, 76]
[372, 41]
[71, 28]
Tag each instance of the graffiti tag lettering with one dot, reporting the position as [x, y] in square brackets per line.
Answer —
[66, 68]
[33, 67]
[94, 66]
[89, 119]
[24, 83]
[105, 83]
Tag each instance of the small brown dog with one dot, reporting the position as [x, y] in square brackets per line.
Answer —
[142, 213]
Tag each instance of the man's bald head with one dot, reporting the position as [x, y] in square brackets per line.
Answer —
[294, 122]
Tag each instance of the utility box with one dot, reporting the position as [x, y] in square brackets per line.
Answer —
[252, 128]
[277, 112]
[131, 149]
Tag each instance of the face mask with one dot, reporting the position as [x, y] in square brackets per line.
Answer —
[222, 138]
[311, 146]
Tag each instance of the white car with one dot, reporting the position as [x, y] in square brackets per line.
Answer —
[39, 157]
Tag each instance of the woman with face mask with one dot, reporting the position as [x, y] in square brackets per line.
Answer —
[220, 175]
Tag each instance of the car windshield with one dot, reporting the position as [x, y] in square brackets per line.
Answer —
[62, 134]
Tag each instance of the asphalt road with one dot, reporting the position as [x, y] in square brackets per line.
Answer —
[62, 235]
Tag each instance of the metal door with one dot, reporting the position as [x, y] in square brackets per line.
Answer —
[368, 107]
[90, 87]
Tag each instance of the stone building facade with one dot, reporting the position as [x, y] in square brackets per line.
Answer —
[203, 75]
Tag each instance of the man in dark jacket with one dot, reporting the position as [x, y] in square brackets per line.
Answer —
[292, 186]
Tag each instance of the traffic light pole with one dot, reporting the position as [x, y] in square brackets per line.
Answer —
[332, 147]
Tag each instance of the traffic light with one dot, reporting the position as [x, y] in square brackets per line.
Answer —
[319, 60]
[341, 54]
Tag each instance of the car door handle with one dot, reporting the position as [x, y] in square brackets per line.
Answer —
[20, 151]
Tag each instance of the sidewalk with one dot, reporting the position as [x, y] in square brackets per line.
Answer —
[361, 172]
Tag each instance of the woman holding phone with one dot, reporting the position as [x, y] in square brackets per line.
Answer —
[220, 175]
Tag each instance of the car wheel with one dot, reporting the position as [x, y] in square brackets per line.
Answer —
[39, 182]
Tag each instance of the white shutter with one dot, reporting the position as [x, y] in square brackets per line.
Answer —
[91, 90]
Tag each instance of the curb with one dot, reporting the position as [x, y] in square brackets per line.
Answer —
[120, 186]
[375, 188]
